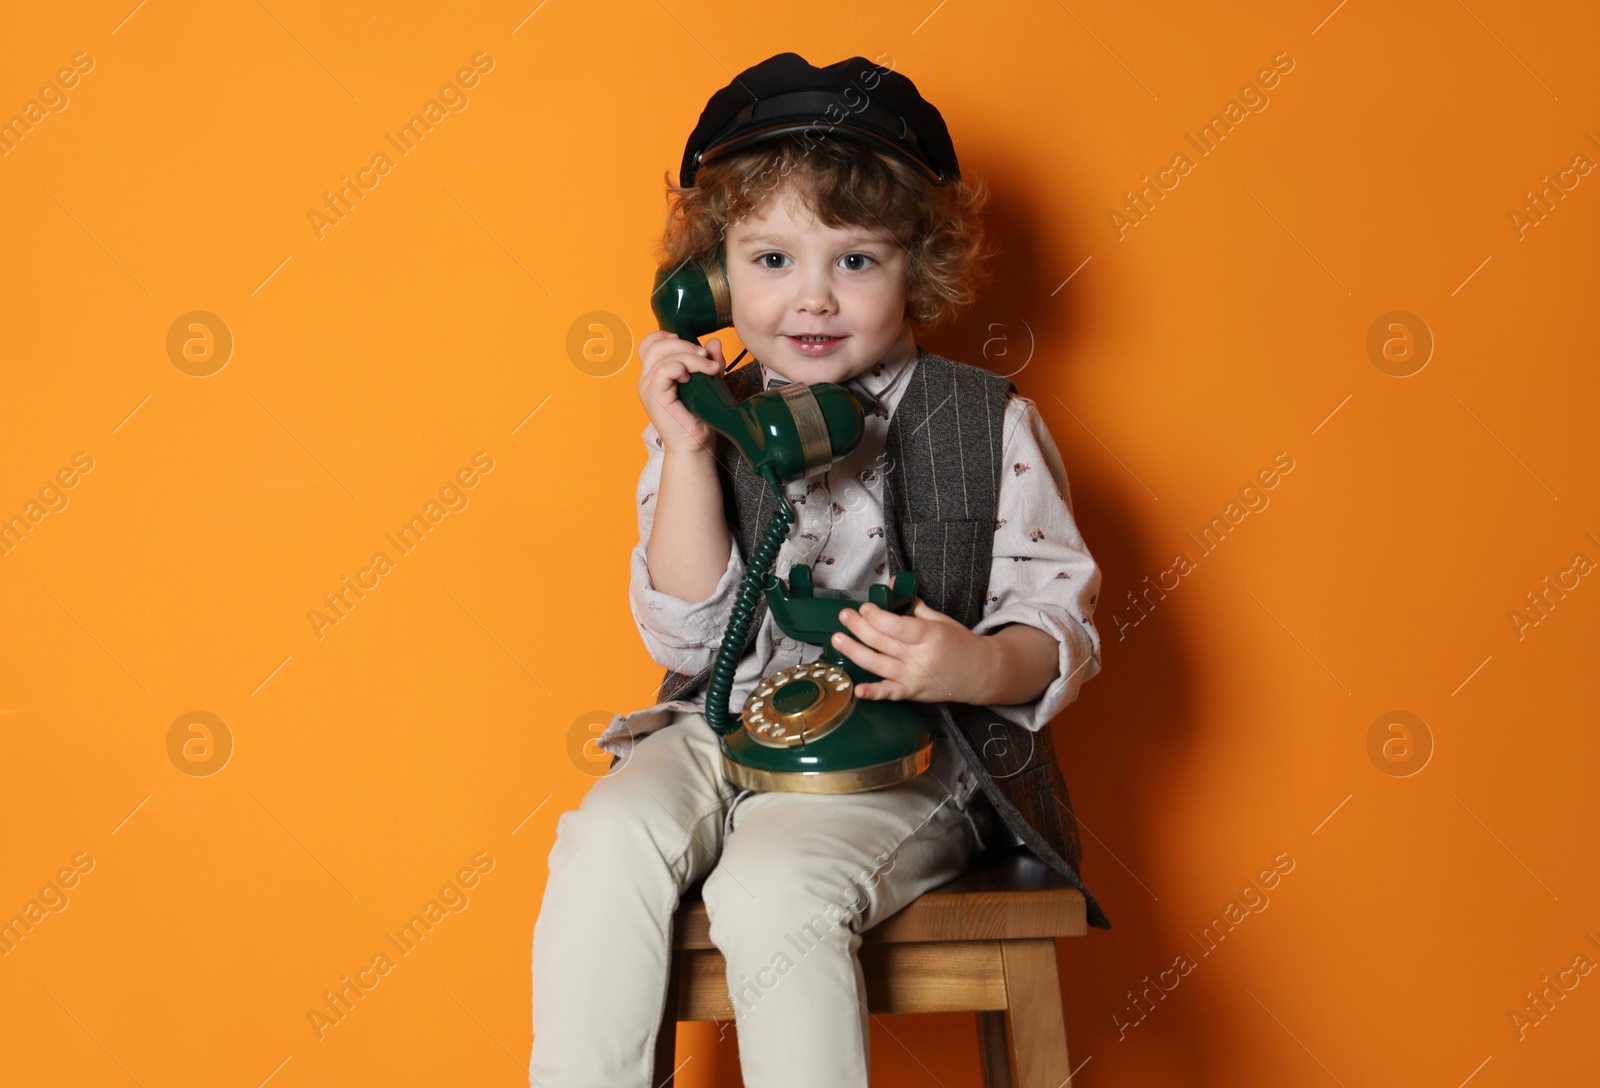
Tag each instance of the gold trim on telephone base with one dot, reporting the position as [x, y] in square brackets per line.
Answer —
[854, 780]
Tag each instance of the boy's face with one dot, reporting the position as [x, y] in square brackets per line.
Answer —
[790, 276]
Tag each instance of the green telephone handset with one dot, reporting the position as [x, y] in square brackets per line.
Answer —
[802, 730]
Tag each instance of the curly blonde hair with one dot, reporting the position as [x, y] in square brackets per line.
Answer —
[844, 183]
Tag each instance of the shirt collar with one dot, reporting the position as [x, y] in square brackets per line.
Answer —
[879, 383]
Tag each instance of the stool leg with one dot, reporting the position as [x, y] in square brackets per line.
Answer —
[994, 1049]
[1038, 1026]
[666, 1058]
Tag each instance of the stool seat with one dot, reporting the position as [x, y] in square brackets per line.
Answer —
[982, 943]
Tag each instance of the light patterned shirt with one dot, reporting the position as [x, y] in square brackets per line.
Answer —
[1040, 574]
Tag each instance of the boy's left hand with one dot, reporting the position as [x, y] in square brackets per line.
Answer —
[925, 657]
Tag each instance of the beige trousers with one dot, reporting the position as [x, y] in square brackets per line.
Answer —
[794, 881]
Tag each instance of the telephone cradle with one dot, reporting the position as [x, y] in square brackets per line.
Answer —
[804, 730]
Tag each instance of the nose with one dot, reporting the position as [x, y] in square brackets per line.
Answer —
[814, 292]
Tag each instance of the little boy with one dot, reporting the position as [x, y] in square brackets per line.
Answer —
[835, 199]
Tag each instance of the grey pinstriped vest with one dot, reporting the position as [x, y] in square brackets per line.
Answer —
[940, 494]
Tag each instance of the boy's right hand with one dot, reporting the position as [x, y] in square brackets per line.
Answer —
[665, 361]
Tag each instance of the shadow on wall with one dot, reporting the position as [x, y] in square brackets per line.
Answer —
[1123, 743]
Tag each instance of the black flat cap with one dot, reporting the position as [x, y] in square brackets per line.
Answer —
[854, 98]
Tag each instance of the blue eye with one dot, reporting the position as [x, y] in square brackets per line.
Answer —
[764, 260]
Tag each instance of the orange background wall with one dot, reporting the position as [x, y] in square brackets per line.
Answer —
[349, 776]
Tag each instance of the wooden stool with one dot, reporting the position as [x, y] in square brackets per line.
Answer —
[984, 943]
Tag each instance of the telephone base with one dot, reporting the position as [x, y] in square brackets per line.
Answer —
[849, 780]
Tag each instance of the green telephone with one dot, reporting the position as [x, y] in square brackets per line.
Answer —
[802, 730]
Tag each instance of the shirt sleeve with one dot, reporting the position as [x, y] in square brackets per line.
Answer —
[1041, 574]
[680, 635]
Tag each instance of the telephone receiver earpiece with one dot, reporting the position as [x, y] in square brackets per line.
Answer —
[693, 300]
[790, 433]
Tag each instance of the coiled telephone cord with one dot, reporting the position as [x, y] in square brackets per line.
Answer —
[744, 607]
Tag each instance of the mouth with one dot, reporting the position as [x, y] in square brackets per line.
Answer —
[814, 345]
